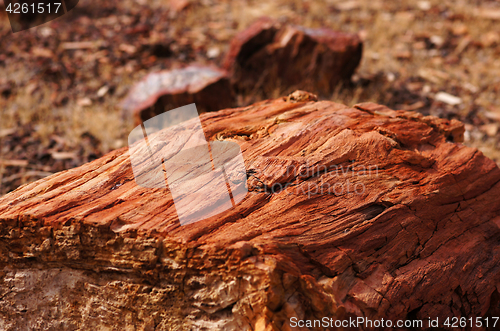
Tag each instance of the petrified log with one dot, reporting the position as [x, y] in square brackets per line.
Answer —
[207, 86]
[351, 212]
[268, 55]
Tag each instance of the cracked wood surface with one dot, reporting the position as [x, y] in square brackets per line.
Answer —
[361, 211]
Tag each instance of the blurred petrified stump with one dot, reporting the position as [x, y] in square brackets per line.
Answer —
[351, 212]
[268, 56]
[158, 92]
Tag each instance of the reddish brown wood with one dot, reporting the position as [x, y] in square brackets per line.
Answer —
[421, 240]
[207, 86]
[268, 56]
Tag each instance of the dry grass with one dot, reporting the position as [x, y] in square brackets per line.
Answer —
[412, 50]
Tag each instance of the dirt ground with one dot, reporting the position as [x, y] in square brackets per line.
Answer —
[61, 83]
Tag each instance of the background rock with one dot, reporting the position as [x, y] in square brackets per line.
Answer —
[270, 56]
[87, 248]
[158, 92]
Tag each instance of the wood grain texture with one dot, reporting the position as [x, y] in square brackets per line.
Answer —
[414, 233]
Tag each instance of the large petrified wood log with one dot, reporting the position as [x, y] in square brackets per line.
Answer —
[361, 211]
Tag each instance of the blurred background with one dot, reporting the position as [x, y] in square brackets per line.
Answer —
[61, 83]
